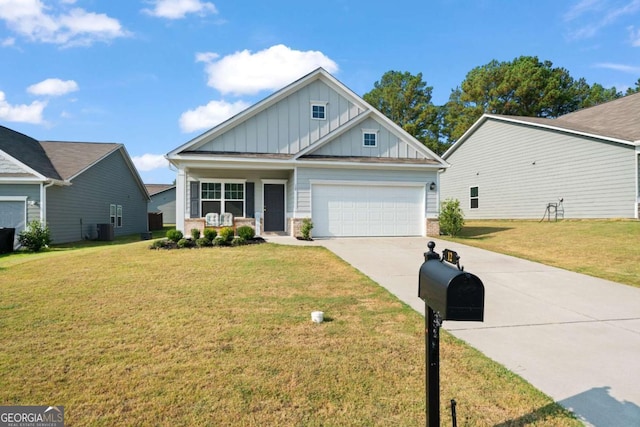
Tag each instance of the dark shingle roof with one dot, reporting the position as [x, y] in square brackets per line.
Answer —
[153, 189]
[28, 151]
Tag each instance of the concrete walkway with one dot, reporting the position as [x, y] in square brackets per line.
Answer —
[572, 336]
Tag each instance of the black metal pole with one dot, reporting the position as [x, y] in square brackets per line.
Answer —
[433, 321]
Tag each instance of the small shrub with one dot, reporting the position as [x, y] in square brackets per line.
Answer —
[210, 233]
[246, 232]
[203, 242]
[238, 241]
[35, 237]
[451, 217]
[307, 226]
[186, 243]
[220, 241]
[226, 233]
[161, 244]
[174, 235]
[195, 233]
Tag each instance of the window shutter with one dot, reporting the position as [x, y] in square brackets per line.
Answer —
[249, 196]
[194, 208]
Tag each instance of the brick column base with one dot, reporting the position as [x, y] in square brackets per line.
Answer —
[433, 227]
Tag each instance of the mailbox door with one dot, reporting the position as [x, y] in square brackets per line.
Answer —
[465, 298]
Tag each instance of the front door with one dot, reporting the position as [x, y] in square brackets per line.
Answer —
[273, 207]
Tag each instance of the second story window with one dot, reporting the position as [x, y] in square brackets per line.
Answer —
[318, 111]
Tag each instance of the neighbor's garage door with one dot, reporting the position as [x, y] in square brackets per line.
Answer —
[367, 210]
[12, 215]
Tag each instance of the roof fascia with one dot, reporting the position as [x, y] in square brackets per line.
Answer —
[465, 136]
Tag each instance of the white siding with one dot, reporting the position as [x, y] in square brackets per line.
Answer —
[388, 144]
[519, 169]
[287, 127]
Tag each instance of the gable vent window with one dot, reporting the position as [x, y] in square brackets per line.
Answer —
[370, 138]
[319, 111]
[473, 200]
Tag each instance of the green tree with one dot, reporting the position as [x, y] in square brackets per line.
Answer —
[632, 90]
[451, 218]
[406, 100]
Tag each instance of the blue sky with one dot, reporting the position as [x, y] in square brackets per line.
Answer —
[153, 74]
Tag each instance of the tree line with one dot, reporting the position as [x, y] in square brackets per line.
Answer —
[525, 86]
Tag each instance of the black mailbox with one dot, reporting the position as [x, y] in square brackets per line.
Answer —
[448, 289]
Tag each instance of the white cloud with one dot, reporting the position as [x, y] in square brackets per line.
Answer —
[634, 35]
[178, 9]
[207, 116]
[148, 162]
[31, 113]
[247, 73]
[594, 15]
[53, 87]
[67, 27]
[9, 41]
[619, 67]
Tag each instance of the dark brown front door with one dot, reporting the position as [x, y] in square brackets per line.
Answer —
[274, 207]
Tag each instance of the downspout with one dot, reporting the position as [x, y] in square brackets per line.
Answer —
[43, 202]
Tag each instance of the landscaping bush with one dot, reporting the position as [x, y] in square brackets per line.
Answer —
[451, 218]
[226, 234]
[220, 241]
[246, 232]
[195, 233]
[210, 233]
[186, 243]
[203, 242]
[238, 241]
[174, 235]
[307, 226]
[162, 244]
[35, 237]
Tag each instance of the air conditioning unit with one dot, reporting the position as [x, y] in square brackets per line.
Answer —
[105, 232]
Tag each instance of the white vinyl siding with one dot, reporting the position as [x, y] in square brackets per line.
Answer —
[520, 169]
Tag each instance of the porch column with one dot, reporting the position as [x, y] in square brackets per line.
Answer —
[181, 194]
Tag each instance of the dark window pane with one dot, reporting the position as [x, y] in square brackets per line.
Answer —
[474, 203]
[474, 191]
[236, 208]
[210, 207]
[234, 191]
[211, 190]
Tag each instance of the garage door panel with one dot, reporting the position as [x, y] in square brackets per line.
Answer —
[359, 210]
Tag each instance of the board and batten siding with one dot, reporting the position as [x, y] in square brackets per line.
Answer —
[519, 169]
[351, 144]
[287, 127]
[73, 211]
[305, 176]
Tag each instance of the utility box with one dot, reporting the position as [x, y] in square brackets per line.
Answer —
[105, 232]
[7, 237]
[448, 289]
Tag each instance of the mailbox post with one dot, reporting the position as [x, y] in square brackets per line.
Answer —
[449, 293]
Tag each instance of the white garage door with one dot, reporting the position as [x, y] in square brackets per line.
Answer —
[367, 210]
[12, 215]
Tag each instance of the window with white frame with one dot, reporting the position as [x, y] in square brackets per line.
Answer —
[318, 111]
[222, 197]
[115, 215]
[473, 197]
[370, 138]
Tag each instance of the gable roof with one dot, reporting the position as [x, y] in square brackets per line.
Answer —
[72, 158]
[154, 189]
[318, 74]
[615, 121]
[28, 152]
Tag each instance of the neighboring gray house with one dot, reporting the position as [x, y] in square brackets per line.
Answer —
[586, 162]
[163, 199]
[71, 186]
[314, 149]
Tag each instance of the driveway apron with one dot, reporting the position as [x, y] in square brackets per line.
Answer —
[572, 336]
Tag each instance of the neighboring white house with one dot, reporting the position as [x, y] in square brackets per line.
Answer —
[586, 163]
[163, 200]
[314, 149]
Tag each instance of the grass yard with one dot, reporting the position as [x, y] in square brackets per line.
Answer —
[609, 249]
[123, 335]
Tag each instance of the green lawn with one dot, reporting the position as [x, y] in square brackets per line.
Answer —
[123, 335]
[609, 249]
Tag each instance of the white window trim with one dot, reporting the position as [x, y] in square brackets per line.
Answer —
[222, 199]
[370, 131]
[119, 222]
[476, 198]
[318, 104]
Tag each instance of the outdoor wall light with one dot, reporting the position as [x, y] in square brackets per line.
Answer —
[32, 203]
[432, 186]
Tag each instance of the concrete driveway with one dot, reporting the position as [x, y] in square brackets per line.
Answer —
[574, 337]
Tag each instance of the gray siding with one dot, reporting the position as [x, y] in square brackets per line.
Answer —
[519, 169]
[351, 144]
[74, 211]
[287, 127]
[306, 175]
[164, 202]
[31, 191]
